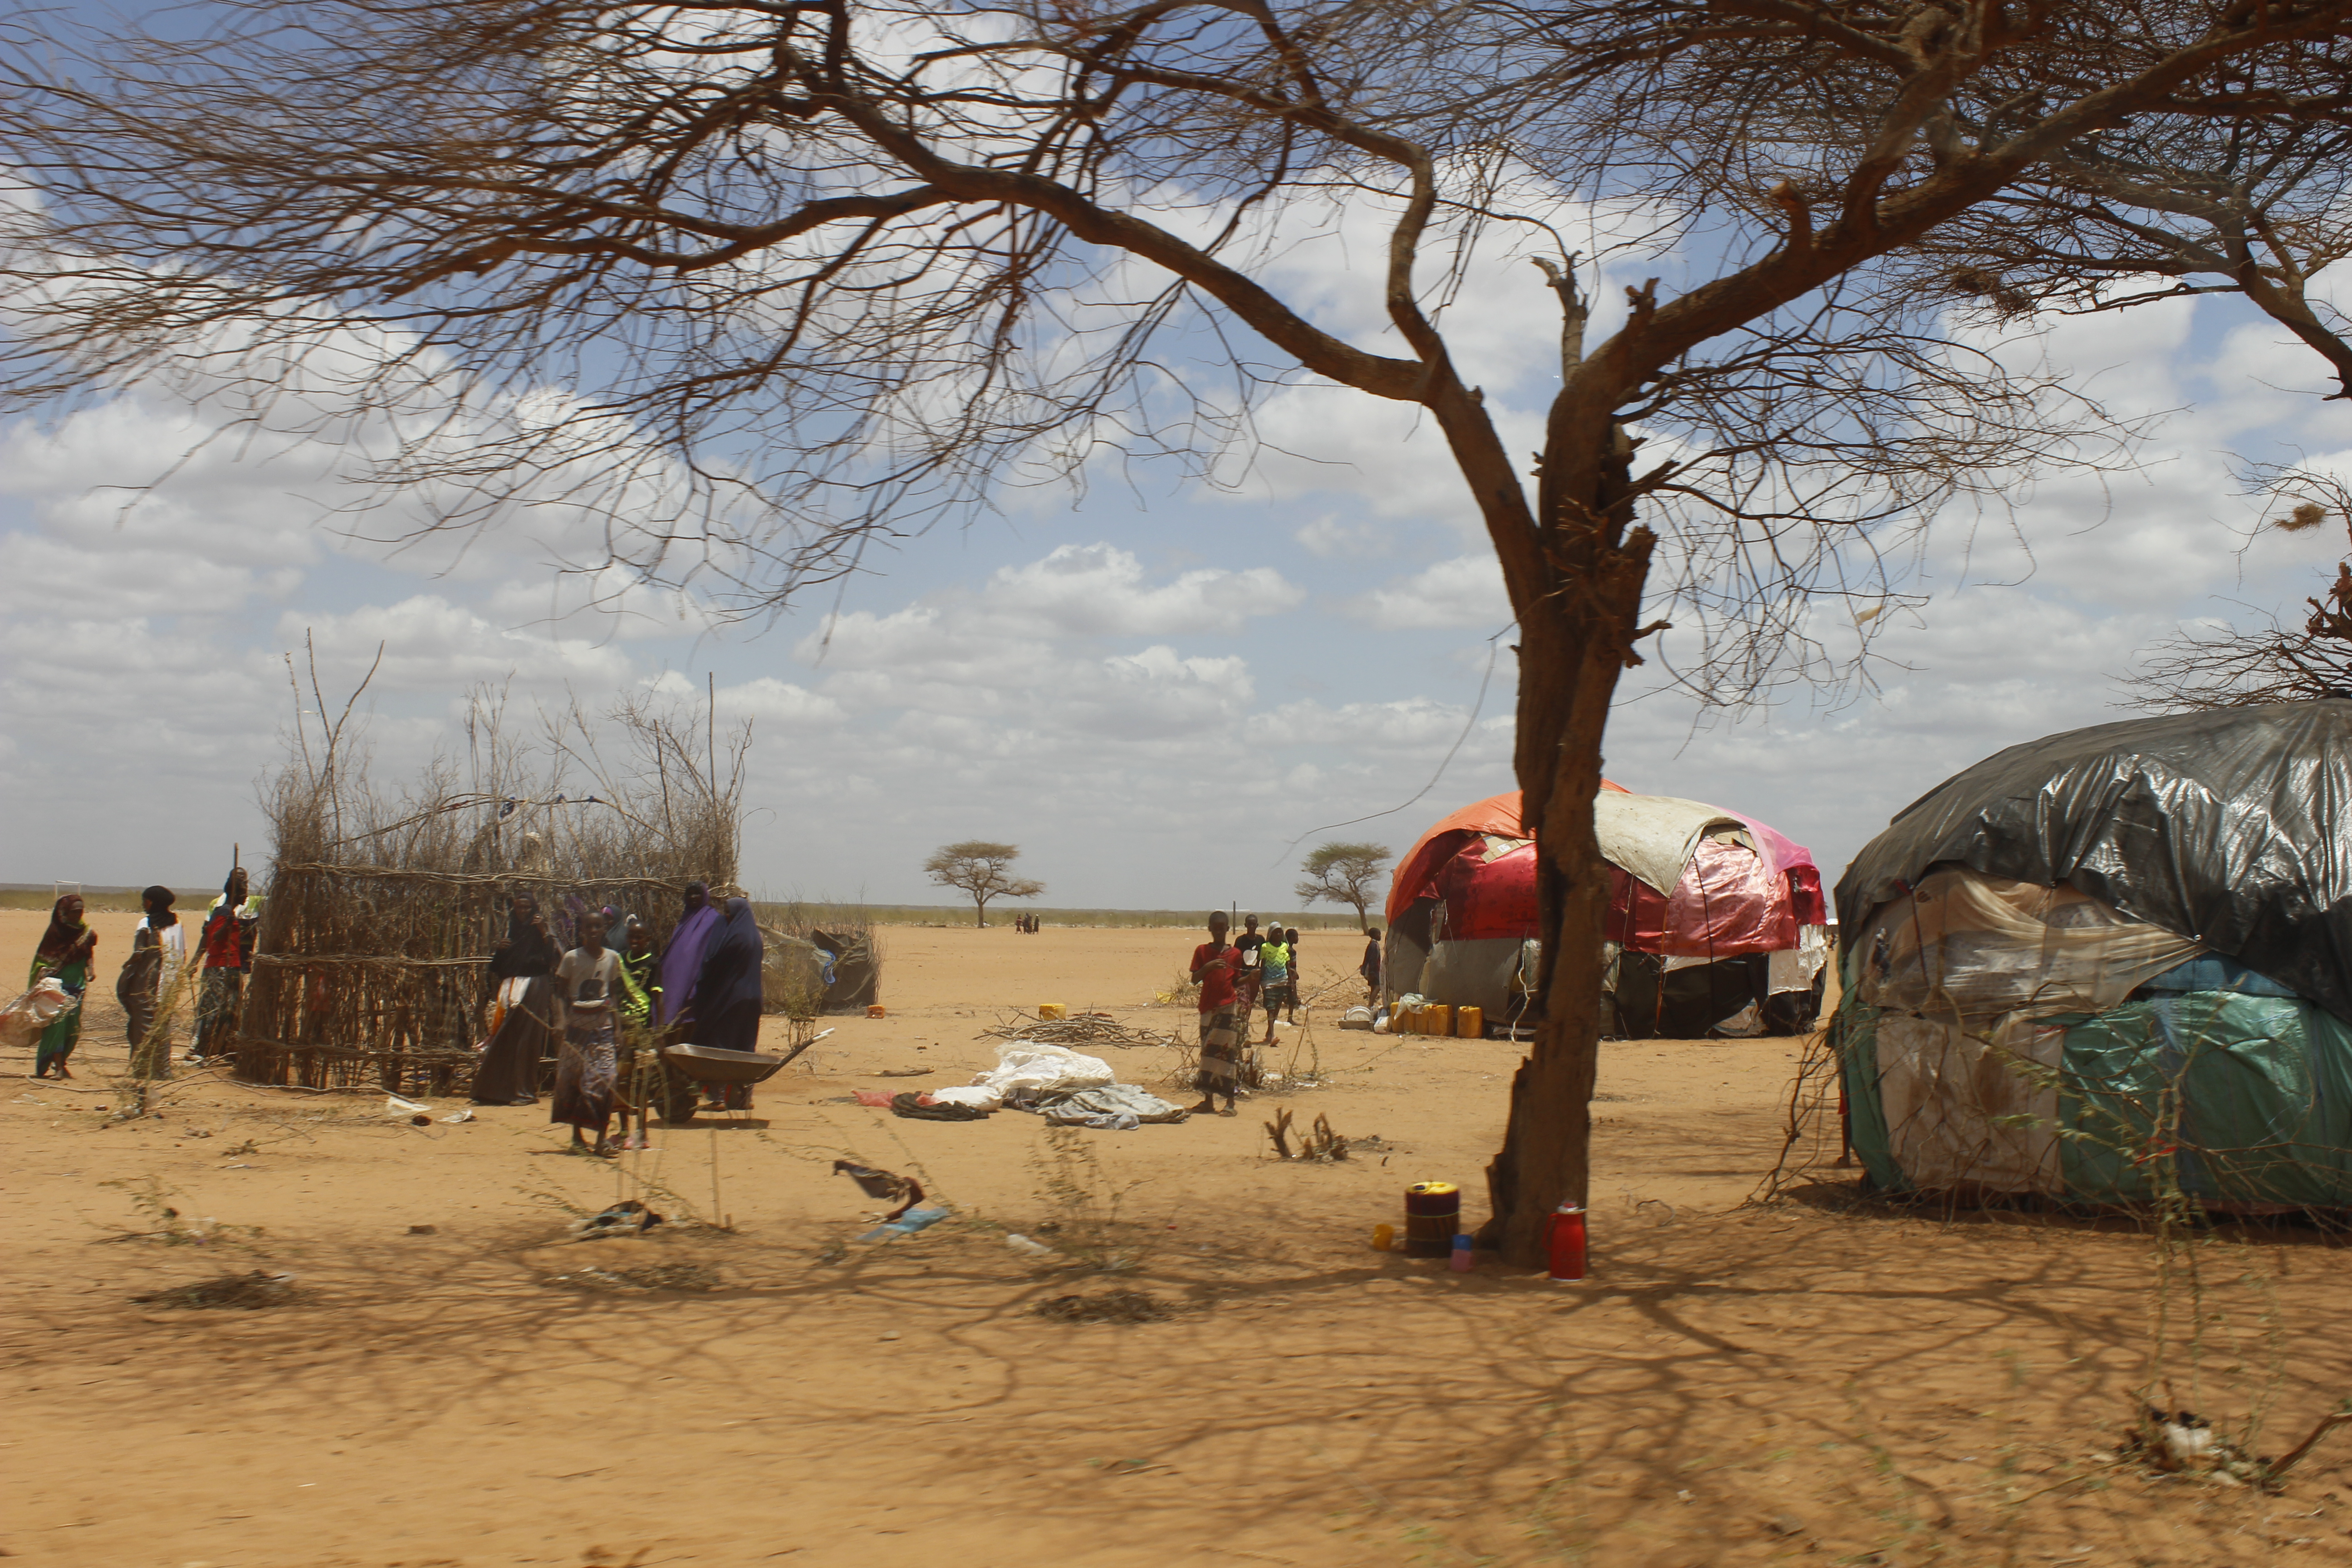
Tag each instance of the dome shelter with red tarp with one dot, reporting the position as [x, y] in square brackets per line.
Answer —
[1715, 921]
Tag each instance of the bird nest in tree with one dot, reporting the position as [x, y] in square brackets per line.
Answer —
[371, 968]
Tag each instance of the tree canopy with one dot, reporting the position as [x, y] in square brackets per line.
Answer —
[982, 869]
[1346, 874]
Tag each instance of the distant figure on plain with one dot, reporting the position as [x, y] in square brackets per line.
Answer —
[1274, 960]
[1250, 944]
[66, 953]
[1290, 998]
[1216, 965]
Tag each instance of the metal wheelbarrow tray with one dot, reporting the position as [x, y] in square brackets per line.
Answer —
[708, 1064]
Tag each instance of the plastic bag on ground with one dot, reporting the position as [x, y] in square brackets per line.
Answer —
[906, 1223]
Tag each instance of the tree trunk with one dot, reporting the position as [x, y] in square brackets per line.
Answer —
[1576, 639]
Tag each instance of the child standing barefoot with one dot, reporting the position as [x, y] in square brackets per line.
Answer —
[585, 1075]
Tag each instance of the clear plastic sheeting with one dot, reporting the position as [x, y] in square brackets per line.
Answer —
[1972, 1109]
[1970, 946]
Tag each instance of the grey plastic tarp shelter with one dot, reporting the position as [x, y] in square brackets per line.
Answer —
[2046, 953]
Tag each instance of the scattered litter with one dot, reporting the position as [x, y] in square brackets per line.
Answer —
[246, 1292]
[627, 1217]
[2184, 1443]
[651, 1277]
[1110, 1306]
[457, 1116]
[423, 1230]
[1034, 1248]
[903, 1191]
[396, 1106]
[906, 1223]
[904, 1072]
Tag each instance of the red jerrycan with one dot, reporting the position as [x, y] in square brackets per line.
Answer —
[1565, 1243]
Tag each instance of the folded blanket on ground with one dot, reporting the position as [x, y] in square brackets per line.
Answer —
[1118, 1105]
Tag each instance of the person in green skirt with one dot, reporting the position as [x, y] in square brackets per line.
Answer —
[67, 951]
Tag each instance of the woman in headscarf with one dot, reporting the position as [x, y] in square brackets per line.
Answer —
[221, 947]
[66, 951]
[158, 949]
[520, 968]
[726, 994]
[681, 960]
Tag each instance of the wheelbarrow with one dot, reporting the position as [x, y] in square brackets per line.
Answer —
[691, 1069]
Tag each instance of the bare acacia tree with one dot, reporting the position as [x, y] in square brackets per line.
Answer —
[982, 871]
[751, 283]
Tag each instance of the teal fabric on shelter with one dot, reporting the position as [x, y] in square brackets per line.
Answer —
[2264, 1085]
[1853, 1035]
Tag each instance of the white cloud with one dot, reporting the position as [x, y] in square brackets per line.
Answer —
[432, 645]
[1465, 590]
[774, 702]
[1098, 590]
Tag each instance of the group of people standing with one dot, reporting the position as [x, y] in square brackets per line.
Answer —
[150, 982]
[602, 1009]
[1235, 978]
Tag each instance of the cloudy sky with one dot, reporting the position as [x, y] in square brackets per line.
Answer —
[1154, 687]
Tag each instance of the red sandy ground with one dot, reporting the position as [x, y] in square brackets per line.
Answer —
[1804, 1381]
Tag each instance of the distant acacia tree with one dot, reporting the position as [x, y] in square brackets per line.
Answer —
[1343, 874]
[981, 869]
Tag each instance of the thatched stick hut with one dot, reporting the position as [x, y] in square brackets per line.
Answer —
[372, 966]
